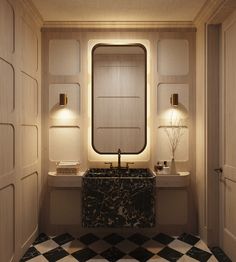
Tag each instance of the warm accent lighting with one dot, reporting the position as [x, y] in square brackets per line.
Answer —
[63, 99]
[174, 100]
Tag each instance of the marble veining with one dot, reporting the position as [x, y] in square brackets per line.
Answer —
[118, 198]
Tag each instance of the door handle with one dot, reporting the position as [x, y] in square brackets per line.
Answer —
[218, 170]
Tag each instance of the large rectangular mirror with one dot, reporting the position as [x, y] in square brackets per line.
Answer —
[119, 98]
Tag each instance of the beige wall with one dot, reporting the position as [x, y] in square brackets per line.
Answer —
[20, 129]
[67, 68]
[67, 131]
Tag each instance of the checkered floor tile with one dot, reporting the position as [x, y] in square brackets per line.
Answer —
[117, 247]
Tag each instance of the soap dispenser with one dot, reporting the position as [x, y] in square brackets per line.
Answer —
[166, 169]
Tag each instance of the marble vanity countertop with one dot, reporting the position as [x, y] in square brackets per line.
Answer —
[180, 180]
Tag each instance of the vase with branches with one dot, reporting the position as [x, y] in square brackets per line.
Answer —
[174, 132]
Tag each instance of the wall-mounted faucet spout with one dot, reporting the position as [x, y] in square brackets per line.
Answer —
[119, 156]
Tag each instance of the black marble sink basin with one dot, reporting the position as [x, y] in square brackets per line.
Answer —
[118, 198]
[122, 173]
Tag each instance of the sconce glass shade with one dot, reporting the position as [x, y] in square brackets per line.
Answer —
[174, 100]
[63, 99]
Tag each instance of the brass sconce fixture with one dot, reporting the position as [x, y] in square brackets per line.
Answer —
[174, 100]
[63, 99]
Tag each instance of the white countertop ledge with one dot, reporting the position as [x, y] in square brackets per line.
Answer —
[67, 180]
[181, 179]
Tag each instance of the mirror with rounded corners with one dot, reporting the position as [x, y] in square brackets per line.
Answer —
[119, 98]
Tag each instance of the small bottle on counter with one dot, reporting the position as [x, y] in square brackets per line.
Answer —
[166, 169]
[158, 167]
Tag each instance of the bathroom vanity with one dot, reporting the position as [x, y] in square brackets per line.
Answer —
[118, 198]
[171, 204]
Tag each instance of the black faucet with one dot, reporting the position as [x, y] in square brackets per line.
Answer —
[119, 155]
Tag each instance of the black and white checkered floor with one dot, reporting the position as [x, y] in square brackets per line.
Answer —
[117, 247]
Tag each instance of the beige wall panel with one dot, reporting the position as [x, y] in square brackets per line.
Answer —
[29, 49]
[20, 123]
[7, 88]
[173, 57]
[63, 211]
[7, 223]
[72, 91]
[64, 57]
[7, 148]
[164, 92]
[7, 27]
[29, 145]
[29, 98]
[29, 209]
[169, 213]
[179, 116]
[64, 143]
[111, 139]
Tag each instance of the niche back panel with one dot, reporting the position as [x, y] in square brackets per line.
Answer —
[173, 57]
[64, 143]
[63, 68]
[175, 74]
[64, 57]
[164, 111]
[73, 105]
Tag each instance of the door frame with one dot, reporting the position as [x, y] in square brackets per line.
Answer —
[212, 93]
[214, 99]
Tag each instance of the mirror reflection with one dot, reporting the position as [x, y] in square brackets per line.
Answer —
[119, 98]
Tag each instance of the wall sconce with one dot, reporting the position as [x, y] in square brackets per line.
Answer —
[174, 100]
[63, 99]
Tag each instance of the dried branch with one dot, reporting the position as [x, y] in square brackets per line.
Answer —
[174, 132]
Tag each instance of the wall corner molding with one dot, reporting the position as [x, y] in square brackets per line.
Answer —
[33, 11]
[208, 10]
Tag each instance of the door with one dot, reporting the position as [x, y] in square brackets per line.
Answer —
[228, 139]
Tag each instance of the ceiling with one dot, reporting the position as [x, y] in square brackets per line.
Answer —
[119, 10]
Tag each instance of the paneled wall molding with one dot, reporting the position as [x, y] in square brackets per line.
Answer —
[118, 24]
[32, 11]
[223, 13]
[214, 11]
[63, 141]
[20, 128]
